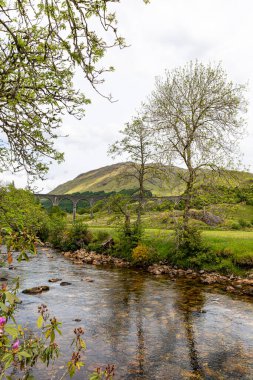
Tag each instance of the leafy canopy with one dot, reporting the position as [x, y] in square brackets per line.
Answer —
[42, 43]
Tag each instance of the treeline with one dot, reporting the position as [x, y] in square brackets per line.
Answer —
[205, 195]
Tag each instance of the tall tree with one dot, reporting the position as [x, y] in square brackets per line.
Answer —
[197, 117]
[42, 43]
[136, 145]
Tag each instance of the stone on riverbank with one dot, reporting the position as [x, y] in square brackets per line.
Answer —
[84, 257]
[232, 283]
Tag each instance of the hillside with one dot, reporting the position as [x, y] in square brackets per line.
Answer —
[112, 178]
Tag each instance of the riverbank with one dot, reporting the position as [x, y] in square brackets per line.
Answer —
[232, 284]
[230, 252]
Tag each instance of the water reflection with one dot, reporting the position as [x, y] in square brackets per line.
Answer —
[150, 328]
[189, 302]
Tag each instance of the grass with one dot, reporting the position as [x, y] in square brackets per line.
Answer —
[230, 213]
[234, 248]
[239, 243]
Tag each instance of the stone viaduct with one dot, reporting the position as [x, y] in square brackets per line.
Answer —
[55, 199]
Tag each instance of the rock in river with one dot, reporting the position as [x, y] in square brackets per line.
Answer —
[54, 279]
[65, 283]
[36, 289]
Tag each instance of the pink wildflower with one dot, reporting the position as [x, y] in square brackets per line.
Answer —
[15, 345]
[2, 321]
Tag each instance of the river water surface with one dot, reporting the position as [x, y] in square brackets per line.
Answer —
[148, 327]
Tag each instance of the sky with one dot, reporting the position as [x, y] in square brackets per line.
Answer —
[161, 36]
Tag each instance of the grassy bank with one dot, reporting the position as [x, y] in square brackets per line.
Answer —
[231, 251]
[230, 243]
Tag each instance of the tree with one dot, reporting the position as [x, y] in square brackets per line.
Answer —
[42, 43]
[21, 219]
[197, 117]
[137, 145]
[121, 205]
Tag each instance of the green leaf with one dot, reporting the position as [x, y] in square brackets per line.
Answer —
[25, 354]
[40, 321]
[11, 298]
[4, 307]
[12, 330]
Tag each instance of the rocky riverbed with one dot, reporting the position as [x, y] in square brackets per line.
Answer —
[232, 284]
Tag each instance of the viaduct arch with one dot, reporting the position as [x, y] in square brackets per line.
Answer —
[55, 199]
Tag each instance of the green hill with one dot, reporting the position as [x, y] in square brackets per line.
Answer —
[114, 178]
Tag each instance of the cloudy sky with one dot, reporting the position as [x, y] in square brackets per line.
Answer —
[162, 35]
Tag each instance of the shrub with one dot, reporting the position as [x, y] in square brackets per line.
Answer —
[188, 240]
[189, 247]
[129, 238]
[77, 237]
[203, 260]
[56, 229]
[244, 223]
[235, 226]
[101, 236]
[140, 253]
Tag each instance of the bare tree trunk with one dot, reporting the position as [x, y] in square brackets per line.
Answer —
[188, 201]
[141, 197]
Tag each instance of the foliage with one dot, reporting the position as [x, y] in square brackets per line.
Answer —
[57, 226]
[137, 145]
[188, 241]
[244, 223]
[143, 255]
[21, 219]
[78, 236]
[101, 236]
[129, 237]
[207, 195]
[42, 44]
[21, 349]
[196, 117]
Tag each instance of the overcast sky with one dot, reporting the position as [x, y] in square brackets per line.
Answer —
[162, 35]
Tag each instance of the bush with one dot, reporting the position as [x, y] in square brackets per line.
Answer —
[188, 240]
[203, 260]
[164, 206]
[129, 238]
[56, 229]
[189, 247]
[77, 237]
[244, 223]
[140, 254]
[235, 226]
[101, 236]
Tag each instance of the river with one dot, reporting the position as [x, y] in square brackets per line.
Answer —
[148, 327]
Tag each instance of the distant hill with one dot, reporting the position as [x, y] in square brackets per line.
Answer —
[111, 178]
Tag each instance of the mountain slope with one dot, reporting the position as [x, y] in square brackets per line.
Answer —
[111, 178]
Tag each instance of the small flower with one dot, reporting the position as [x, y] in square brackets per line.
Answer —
[15, 345]
[2, 321]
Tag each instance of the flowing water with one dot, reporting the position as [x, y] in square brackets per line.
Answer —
[148, 327]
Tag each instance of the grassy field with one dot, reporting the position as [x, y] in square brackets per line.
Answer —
[230, 214]
[234, 248]
[238, 245]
